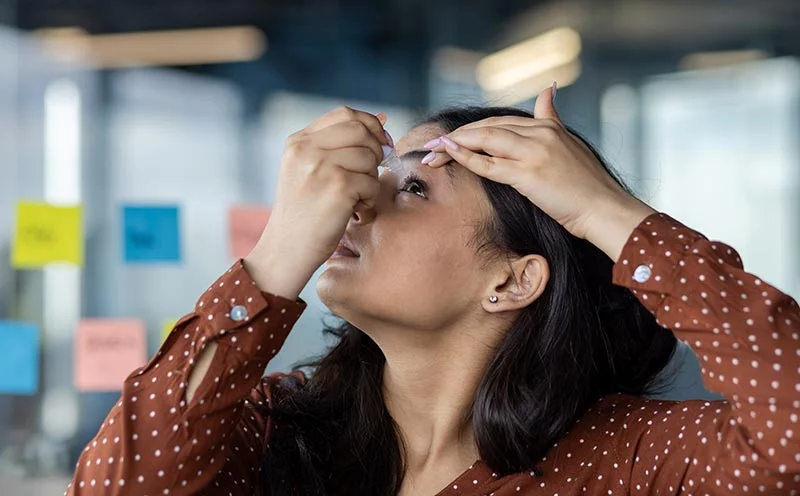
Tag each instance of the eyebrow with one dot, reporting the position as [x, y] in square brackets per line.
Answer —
[418, 155]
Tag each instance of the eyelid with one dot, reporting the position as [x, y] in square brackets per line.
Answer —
[413, 178]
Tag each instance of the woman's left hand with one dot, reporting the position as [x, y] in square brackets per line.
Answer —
[542, 160]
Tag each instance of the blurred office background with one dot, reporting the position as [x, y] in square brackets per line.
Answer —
[188, 103]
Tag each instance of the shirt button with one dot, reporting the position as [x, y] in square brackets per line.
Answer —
[238, 313]
[642, 273]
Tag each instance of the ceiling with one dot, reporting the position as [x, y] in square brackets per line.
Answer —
[350, 48]
[380, 49]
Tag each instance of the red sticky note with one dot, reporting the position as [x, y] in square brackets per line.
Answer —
[246, 223]
[107, 351]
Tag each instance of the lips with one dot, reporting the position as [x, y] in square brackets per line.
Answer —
[346, 249]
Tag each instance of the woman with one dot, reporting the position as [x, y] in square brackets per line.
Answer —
[492, 342]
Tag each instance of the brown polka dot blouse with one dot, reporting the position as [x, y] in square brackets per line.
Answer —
[744, 331]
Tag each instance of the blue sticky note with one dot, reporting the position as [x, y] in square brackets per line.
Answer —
[19, 357]
[151, 234]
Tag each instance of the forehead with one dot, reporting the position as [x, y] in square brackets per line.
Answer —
[417, 137]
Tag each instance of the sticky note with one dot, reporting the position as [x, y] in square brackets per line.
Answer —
[246, 223]
[107, 351]
[19, 358]
[45, 234]
[166, 328]
[151, 233]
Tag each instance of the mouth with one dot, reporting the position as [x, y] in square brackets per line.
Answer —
[345, 249]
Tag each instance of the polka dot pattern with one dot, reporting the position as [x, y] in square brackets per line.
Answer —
[153, 442]
[744, 331]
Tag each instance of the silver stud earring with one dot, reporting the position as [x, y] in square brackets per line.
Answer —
[493, 299]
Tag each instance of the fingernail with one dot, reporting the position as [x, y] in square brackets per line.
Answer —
[449, 143]
[381, 117]
[389, 138]
[432, 144]
[428, 158]
[554, 90]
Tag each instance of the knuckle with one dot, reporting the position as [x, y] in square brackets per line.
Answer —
[345, 111]
[366, 156]
[338, 183]
[487, 163]
[491, 133]
[294, 147]
[549, 134]
[359, 129]
[293, 138]
[495, 121]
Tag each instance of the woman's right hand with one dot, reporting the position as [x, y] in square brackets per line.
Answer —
[327, 169]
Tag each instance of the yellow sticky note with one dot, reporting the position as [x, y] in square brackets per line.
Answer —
[46, 233]
[166, 328]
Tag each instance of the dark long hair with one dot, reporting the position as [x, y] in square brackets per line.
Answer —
[584, 338]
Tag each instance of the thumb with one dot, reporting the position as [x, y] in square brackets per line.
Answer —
[545, 104]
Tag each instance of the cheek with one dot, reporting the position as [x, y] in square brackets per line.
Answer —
[421, 261]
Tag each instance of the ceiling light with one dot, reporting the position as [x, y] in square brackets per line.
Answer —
[156, 48]
[708, 60]
[526, 60]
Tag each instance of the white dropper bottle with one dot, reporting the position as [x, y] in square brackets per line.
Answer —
[390, 160]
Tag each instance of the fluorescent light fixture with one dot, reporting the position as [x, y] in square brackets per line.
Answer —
[708, 60]
[156, 48]
[529, 59]
[529, 88]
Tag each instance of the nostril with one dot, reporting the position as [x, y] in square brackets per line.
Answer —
[363, 214]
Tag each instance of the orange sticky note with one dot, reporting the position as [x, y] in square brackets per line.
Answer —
[246, 223]
[107, 351]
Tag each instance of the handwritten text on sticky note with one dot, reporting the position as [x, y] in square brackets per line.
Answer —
[246, 223]
[151, 233]
[46, 233]
[107, 351]
[19, 358]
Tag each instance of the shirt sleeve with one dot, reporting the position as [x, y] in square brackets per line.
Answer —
[745, 333]
[154, 442]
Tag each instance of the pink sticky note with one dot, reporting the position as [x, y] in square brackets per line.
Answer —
[246, 223]
[107, 351]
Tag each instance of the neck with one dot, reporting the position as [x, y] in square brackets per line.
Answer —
[429, 385]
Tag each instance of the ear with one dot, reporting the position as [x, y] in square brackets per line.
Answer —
[518, 285]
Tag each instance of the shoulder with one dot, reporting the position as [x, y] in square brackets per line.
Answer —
[628, 412]
[626, 420]
[618, 423]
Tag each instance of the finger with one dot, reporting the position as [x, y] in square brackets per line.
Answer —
[494, 168]
[344, 114]
[525, 131]
[516, 124]
[495, 141]
[347, 134]
[437, 160]
[363, 188]
[505, 120]
[545, 105]
[356, 159]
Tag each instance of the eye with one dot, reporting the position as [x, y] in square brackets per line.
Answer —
[414, 185]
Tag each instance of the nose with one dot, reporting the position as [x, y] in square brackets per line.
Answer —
[363, 214]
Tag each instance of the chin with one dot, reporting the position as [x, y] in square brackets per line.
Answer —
[333, 288]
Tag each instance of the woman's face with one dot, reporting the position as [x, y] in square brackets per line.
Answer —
[417, 264]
